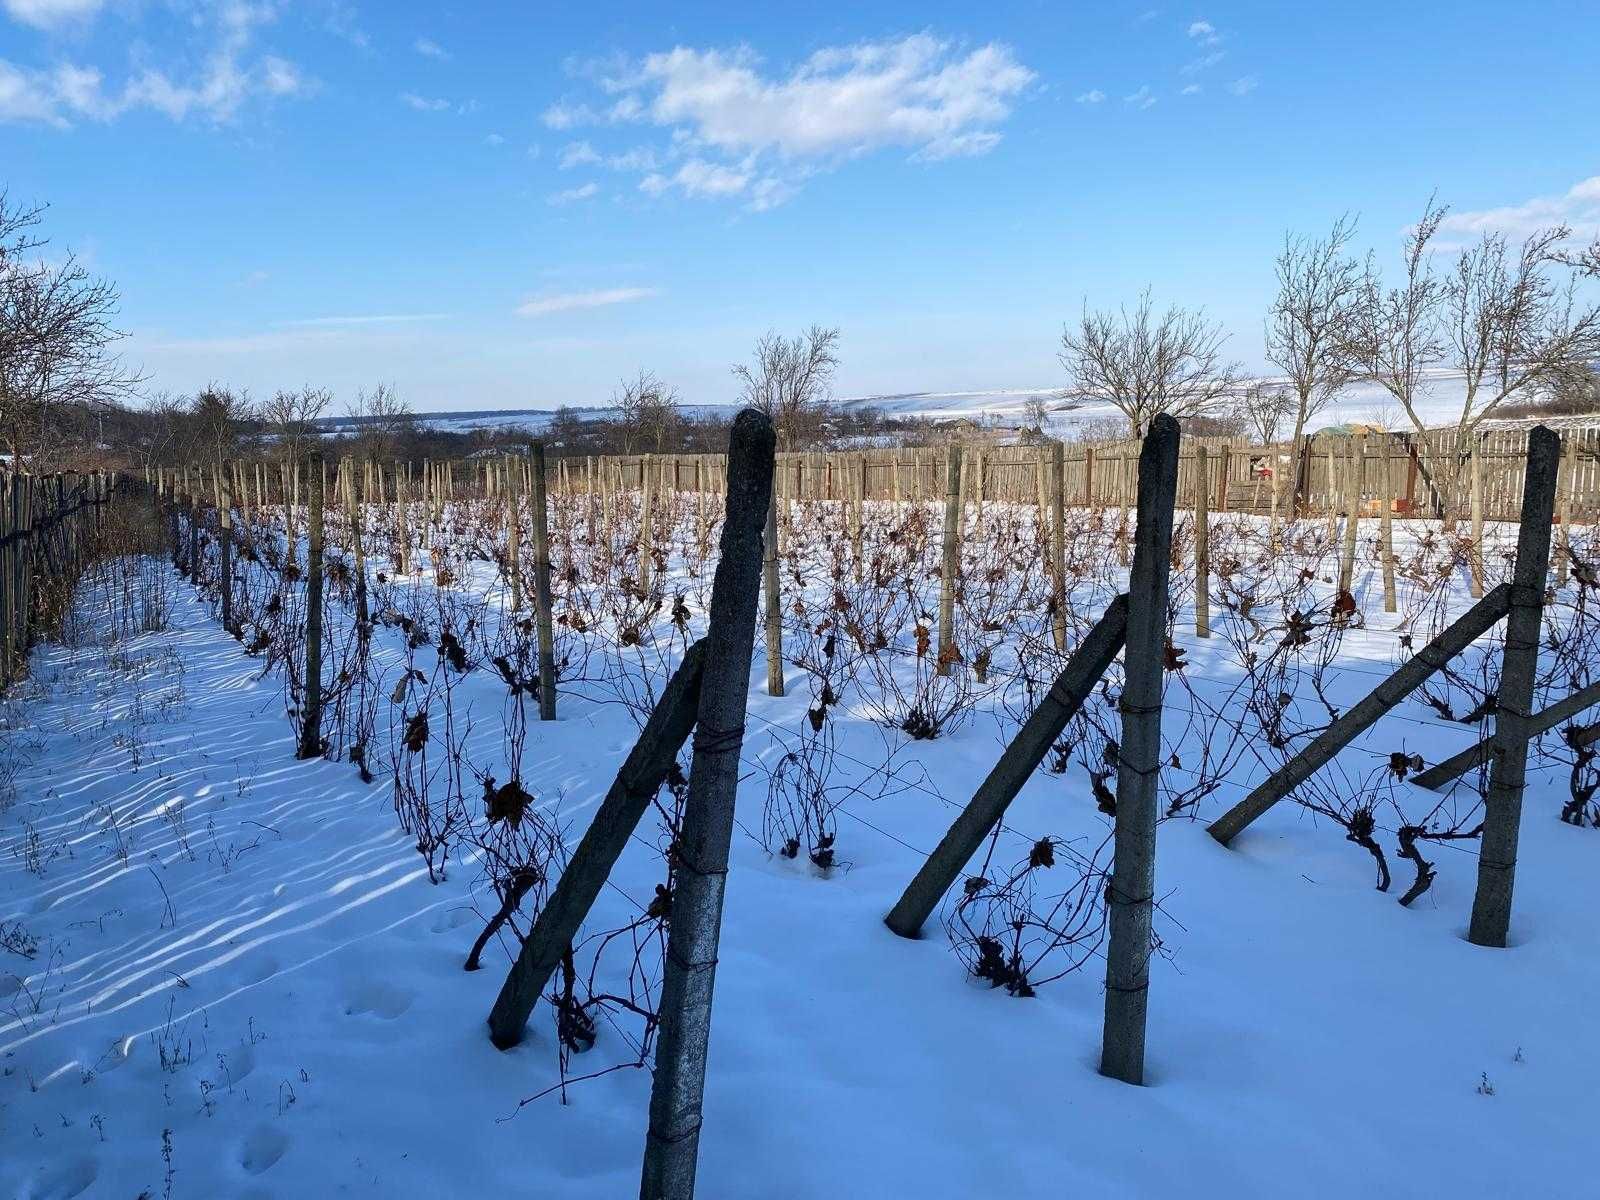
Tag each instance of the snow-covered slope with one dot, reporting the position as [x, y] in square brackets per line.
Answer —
[243, 984]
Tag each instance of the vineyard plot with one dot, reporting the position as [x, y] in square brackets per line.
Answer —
[217, 955]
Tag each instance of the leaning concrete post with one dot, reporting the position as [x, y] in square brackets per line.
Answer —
[1022, 755]
[1508, 752]
[635, 786]
[1130, 897]
[541, 585]
[311, 710]
[1411, 675]
[701, 849]
[950, 566]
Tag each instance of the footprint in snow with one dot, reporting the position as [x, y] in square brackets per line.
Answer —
[262, 1149]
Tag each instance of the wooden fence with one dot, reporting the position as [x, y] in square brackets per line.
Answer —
[1410, 474]
[46, 528]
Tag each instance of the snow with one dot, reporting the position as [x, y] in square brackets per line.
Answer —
[263, 925]
[1439, 402]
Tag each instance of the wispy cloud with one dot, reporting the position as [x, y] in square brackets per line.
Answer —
[542, 306]
[52, 14]
[572, 195]
[755, 135]
[429, 48]
[1204, 63]
[423, 103]
[213, 85]
[1092, 96]
[1243, 85]
[1204, 32]
[1577, 207]
[1143, 98]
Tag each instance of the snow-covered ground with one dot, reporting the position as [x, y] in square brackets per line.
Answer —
[241, 981]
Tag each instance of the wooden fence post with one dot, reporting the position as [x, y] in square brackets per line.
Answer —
[1475, 565]
[311, 709]
[950, 566]
[1058, 544]
[541, 584]
[1202, 545]
[1508, 753]
[1355, 457]
[514, 537]
[673, 1143]
[225, 551]
[1567, 486]
[1386, 499]
[774, 597]
[1130, 896]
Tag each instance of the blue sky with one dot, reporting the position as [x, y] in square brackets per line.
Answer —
[498, 205]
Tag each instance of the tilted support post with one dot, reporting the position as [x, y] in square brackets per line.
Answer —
[636, 785]
[1457, 765]
[1465, 630]
[1018, 762]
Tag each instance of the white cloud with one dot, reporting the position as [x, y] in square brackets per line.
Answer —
[752, 133]
[429, 48]
[1578, 207]
[571, 301]
[1204, 32]
[572, 195]
[494, 139]
[578, 154]
[51, 14]
[1194, 89]
[423, 103]
[1143, 98]
[1092, 96]
[1243, 85]
[215, 86]
[1204, 63]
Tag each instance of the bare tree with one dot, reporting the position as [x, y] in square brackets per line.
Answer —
[291, 418]
[382, 420]
[790, 379]
[1144, 364]
[1396, 332]
[1512, 327]
[1267, 407]
[56, 334]
[1308, 325]
[649, 411]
